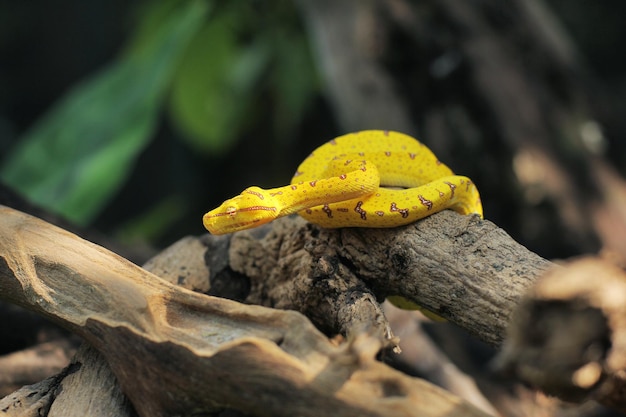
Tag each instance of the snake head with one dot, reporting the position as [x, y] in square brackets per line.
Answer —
[253, 207]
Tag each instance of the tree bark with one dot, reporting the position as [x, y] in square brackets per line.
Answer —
[464, 269]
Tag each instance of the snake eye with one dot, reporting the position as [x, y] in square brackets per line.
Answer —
[231, 211]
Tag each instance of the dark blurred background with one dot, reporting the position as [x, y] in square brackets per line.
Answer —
[133, 118]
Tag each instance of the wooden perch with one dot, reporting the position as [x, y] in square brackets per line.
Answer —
[568, 336]
[464, 269]
[174, 351]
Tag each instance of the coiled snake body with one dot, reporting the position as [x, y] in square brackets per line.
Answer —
[343, 183]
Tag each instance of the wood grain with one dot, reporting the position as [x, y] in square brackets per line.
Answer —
[174, 351]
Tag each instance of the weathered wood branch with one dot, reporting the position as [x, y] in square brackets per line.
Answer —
[568, 335]
[464, 269]
[174, 351]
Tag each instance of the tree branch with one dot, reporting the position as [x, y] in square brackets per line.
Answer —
[173, 350]
[464, 269]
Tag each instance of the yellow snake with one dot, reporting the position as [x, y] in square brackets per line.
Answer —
[343, 183]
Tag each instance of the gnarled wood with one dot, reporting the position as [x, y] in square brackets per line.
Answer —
[568, 336]
[174, 351]
[464, 269]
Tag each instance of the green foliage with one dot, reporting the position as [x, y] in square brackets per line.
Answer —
[294, 79]
[82, 151]
[212, 91]
[217, 77]
[236, 61]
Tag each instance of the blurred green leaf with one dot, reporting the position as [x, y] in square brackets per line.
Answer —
[212, 92]
[293, 93]
[82, 150]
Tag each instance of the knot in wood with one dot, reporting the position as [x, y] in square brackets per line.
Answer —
[400, 259]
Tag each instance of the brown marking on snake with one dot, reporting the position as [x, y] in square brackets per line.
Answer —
[452, 188]
[412, 155]
[332, 142]
[256, 194]
[327, 210]
[229, 211]
[312, 183]
[297, 174]
[294, 187]
[387, 153]
[425, 202]
[276, 193]
[386, 132]
[440, 193]
[379, 213]
[361, 153]
[359, 210]
[342, 209]
[438, 162]
[257, 208]
[343, 176]
[403, 212]
[308, 211]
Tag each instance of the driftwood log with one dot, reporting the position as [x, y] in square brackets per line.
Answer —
[173, 350]
[568, 335]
